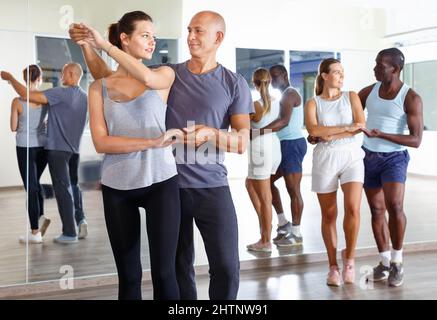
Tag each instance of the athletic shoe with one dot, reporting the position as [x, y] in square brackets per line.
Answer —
[32, 238]
[380, 273]
[396, 275]
[333, 278]
[348, 273]
[259, 247]
[65, 239]
[289, 241]
[283, 232]
[83, 229]
[43, 224]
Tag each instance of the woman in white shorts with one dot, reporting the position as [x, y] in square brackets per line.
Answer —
[335, 117]
[264, 158]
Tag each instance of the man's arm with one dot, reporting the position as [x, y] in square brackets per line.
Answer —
[98, 68]
[289, 100]
[414, 110]
[364, 93]
[234, 141]
[37, 97]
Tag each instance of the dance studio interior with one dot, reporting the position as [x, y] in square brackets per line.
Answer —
[259, 34]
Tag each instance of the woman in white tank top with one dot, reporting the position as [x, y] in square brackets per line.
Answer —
[264, 159]
[335, 117]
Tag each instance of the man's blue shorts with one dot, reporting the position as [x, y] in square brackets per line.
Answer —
[383, 167]
[293, 152]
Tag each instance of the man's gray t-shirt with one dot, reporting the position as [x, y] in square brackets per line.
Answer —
[67, 118]
[205, 99]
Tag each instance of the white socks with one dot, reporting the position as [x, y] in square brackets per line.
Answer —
[282, 220]
[396, 256]
[385, 258]
[296, 231]
[393, 256]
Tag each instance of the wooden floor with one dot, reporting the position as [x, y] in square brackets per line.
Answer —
[93, 255]
[299, 282]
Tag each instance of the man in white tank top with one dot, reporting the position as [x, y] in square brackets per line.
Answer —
[391, 107]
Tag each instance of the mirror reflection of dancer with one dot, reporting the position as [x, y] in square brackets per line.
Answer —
[392, 106]
[264, 159]
[127, 118]
[66, 123]
[336, 117]
[293, 148]
[32, 141]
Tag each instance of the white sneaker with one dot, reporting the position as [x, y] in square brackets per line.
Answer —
[43, 224]
[33, 238]
[83, 229]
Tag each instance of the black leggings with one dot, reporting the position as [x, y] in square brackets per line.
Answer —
[162, 205]
[35, 194]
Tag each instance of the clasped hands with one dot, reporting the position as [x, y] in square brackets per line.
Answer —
[370, 133]
[195, 135]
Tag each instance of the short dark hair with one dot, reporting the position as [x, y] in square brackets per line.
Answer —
[396, 56]
[281, 69]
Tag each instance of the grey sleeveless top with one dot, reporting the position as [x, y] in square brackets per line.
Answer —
[142, 117]
[37, 128]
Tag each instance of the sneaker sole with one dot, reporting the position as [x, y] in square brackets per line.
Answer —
[333, 284]
[44, 227]
[289, 244]
[377, 280]
[30, 242]
[396, 285]
[65, 242]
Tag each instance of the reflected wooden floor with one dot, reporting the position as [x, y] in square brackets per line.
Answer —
[93, 255]
[299, 282]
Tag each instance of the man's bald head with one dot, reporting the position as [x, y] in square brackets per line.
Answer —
[71, 74]
[213, 19]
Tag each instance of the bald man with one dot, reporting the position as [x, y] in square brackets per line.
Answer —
[66, 123]
[213, 98]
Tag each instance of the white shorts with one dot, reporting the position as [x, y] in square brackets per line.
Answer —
[334, 163]
[264, 156]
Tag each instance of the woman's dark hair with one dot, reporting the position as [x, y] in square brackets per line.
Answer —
[324, 67]
[34, 73]
[126, 25]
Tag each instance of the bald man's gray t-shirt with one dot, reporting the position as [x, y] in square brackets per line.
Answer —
[205, 99]
[67, 118]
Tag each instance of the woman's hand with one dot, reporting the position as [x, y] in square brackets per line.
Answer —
[6, 76]
[93, 37]
[170, 137]
[354, 127]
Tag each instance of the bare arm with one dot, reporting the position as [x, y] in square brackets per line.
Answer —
[98, 68]
[316, 130]
[37, 97]
[157, 79]
[103, 142]
[234, 141]
[257, 116]
[15, 107]
[364, 93]
[414, 110]
[290, 99]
